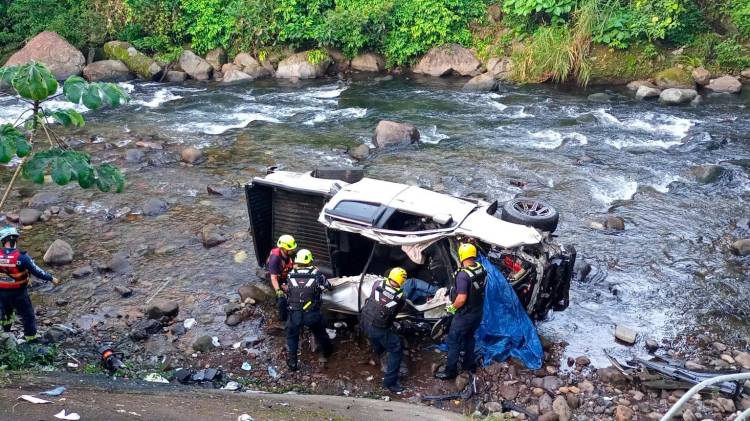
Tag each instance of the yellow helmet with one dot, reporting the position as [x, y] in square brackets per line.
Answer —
[397, 275]
[286, 242]
[303, 257]
[466, 251]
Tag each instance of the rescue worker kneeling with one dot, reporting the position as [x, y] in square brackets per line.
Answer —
[467, 297]
[378, 314]
[303, 297]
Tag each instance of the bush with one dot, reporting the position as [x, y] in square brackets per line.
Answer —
[554, 11]
[160, 23]
[299, 22]
[209, 23]
[254, 25]
[355, 25]
[731, 55]
[739, 11]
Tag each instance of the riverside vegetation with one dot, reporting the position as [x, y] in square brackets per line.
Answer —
[560, 40]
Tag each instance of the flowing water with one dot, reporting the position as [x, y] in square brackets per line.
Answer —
[669, 273]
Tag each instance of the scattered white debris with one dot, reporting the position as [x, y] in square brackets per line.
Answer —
[155, 378]
[69, 416]
[245, 417]
[246, 366]
[54, 392]
[33, 399]
[236, 345]
[370, 378]
[331, 333]
[215, 341]
[72, 365]
[188, 323]
[346, 392]
[231, 386]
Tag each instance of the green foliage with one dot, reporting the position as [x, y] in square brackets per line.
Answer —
[208, 23]
[93, 95]
[316, 56]
[731, 55]
[32, 81]
[355, 25]
[415, 26]
[555, 11]
[65, 166]
[298, 22]
[27, 355]
[254, 25]
[12, 143]
[739, 11]
[615, 26]
[650, 51]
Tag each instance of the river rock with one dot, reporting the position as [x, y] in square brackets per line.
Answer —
[500, 68]
[143, 328]
[29, 216]
[493, 406]
[117, 263]
[447, 59]
[297, 66]
[706, 174]
[43, 200]
[191, 155]
[154, 207]
[549, 416]
[623, 413]
[140, 64]
[482, 83]
[204, 344]
[614, 223]
[250, 66]
[360, 152]
[583, 361]
[610, 375]
[674, 77]
[58, 253]
[725, 85]
[726, 405]
[599, 97]
[676, 96]
[745, 74]
[625, 334]
[55, 334]
[176, 76]
[195, 66]
[134, 156]
[124, 291]
[545, 403]
[701, 76]
[741, 247]
[107, 71]
[83, 271]
[389, 133]
[368, 62]
[259, 292]
[211, 236]
[159, 309]
[216, 58]
[508, 391]
[743, 358]
[636, 84]
[651, 345]
[562, 409]
[645, 92]
[235, 75]
[54, 51]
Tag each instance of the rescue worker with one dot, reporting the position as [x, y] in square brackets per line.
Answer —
[303, 296]
[378, 314]
[15, 268]
[279, 264]
[467, 296]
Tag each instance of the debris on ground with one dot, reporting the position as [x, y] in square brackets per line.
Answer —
[273, 373]
[245, 417]
[232, 385]
[32, 399]
[246, 366]
[54, 392]
[155, 378]
[72, 416]
[188, 323]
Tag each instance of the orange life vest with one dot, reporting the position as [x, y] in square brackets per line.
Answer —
[288, 264]
[15, 276]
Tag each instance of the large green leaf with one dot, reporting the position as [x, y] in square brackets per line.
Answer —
[108, 176]
[62, 171]
[34, 81]
[74, 87]
[92, 97]
[68, 118]
[66, 166]
[35, 167]
[114, 95]
[7, 74]
[12, 143]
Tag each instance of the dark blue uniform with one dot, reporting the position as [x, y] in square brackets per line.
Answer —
[304, 286]
[378, 315]
[467, 319]
[17, 299]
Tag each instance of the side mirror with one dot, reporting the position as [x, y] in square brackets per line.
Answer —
[492, 208]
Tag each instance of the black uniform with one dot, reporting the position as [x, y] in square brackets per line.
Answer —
[378, 315]
[15, 269]
[303, 298]
[470, 281]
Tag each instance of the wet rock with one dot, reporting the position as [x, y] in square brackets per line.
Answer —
[83, 271]
[258, 292]
[203, 344]
[107, 71]
[123, 291]
[636, 84]
[461, 381]
[610, 375]
[297, 66]
[706, 174]
[176, 76]
[216, 58]
[745, 74]
[485, 82]
[500, 68]
[599, 97]
[195, 66]
[651, 345]
[59, 253]
[138, 63]
[493, 406]
[562, 409]
[728, 359]
[586, 387]
[29, 216]
[389, 133]
[134, 156]
[701, 76]
[644, 92]
[250, 66]
[725, 405]
[160, 309]
[583, 361]
[674, 77]
[368, 62]
[741, 248]
[447, 59]
[581, 269]
[508, 391]
[142, 329]
[178, 329]
[154, 207]
[360, 152]
[191, 155]
[545, 404]
[63, 59]
[743, 359]
[623, 413]
[692, 365]
[211, 236]
[688, 415]
[573, 401]
[235, 318]
[615, 223]
[234, 76]
[43, 200]
[55, 334]
[12, 217]
[719, 347]
[552, 383]
[677, 96]
[725, 85]
[625, 334]
[61, 302]
[549, 416]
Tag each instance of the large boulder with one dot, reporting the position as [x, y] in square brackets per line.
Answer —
[216, 58]
[195, 66]
[63, 59]
[58, 253]
[725, 85]
[675, 77]
[176, 76]
[706, 174]
[392, 133]
[448, 59]
[142, 65]
[249, 66]
[258, 292]
[297, 66]
[43, 200]
[107, 71]
[368, 62]
[745, 74]
[645, 92]
[701, 76]
[160, 309]
[483, 83]
[235, 75]
[741, 247]
[500, 68]
[29, 216]
[636, 84]
[675, 96]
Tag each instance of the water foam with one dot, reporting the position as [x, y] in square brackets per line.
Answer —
[343, 114]
[431, 135]
[616, 188]
[160, 97]
[239, 121]
[551, 139]
[671, 127]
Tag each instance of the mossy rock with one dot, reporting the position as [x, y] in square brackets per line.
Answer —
[617, 67]
[137, 62]
[674, 77]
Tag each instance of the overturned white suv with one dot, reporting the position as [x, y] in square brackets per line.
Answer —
[355, 225]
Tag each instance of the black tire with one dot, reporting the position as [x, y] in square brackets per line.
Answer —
[531, 212]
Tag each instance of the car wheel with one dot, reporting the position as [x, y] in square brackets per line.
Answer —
[440, 329]
[531, 212]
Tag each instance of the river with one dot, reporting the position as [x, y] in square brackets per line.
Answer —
[669, 274]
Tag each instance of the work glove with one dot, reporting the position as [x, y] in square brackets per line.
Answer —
[280, 293]
[56, 281]
[451, 309]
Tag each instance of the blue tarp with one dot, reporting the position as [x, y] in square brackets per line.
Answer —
[506, 330]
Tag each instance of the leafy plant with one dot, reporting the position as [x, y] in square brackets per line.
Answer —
[615, 28]
[731, 55]
[739, 11]
[208, 23]
[25, 356]
[254, 28]
[316, 56]
[298, 22]
[556, 11]
[34, 83]
[355, 25]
